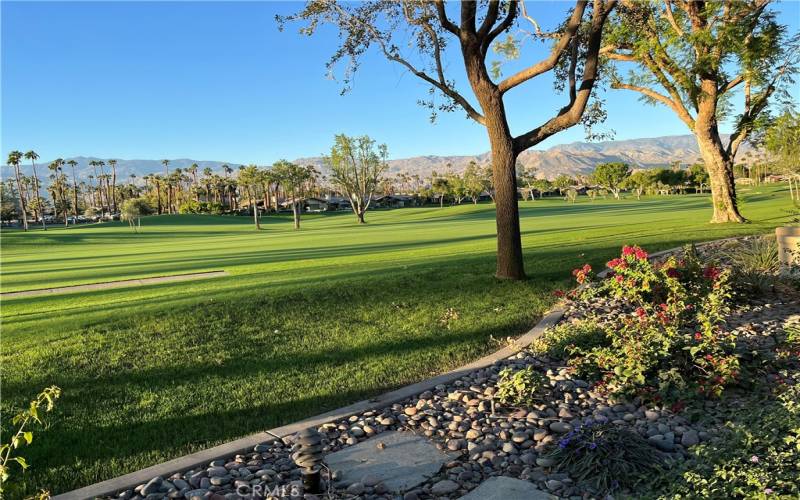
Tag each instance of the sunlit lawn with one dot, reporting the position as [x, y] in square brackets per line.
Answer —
[306, 321]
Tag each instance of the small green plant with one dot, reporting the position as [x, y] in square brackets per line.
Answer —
[561, 339]
[22, 436]
[755, 263]
[517, 387]
[756, 456]
[606, 457]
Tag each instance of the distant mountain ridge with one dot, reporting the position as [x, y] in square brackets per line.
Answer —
[570, 159]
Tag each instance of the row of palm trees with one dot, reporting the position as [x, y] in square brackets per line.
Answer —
[65, 189]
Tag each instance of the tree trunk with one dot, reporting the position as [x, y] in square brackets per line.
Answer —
[21, 199]
[510, 264]
[720, 173]
[113, 187]
[718, 164]
[360, 214]
[295, 213]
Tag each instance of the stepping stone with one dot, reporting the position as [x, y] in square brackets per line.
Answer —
[507, 488]
[403, 461]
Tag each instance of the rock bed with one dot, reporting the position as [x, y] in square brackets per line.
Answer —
[484, 440]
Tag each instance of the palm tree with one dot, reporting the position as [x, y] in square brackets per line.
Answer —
[113, 164]
[193, 170]
[166, 178]
[72, 164]
[14, 158]
[32, 156]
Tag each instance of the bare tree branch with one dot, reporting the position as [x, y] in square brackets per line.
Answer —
[446, 23]
[679, 109]
[500, 28]
[558, 49]
[440, 84]
[572, 113]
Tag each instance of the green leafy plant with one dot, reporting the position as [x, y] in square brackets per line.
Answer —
[755, 263]
[560, 340]
[22, 436]
[606, 457]
[672, 340]
[757, 455]
[517, 387]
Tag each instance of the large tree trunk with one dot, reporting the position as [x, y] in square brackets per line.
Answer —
[504, 160]
[718, 164]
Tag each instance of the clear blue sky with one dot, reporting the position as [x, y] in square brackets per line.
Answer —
[218, 81]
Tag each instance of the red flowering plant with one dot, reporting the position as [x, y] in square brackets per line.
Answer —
[672, 341]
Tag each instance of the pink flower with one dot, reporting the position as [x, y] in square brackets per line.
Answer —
[698, 336]
[768, 491]
[619, 278]
[754, 459]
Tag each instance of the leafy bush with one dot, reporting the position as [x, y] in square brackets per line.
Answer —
[21, 436]
[517, 387]
[757, 456]
[606, 457]
[560, 340]
[673, 339]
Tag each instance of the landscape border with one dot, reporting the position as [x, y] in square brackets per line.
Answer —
[247, 443]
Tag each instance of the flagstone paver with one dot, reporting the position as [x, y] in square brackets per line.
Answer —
[507, 488]
[400, 460]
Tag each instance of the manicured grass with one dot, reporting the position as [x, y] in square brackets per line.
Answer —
[306, 321]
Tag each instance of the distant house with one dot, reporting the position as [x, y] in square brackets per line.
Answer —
[394, 201]
[311, 204]
[338, 203]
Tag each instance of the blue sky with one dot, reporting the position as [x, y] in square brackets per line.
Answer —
[218, 81]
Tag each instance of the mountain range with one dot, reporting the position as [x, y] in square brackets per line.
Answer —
[571, 159]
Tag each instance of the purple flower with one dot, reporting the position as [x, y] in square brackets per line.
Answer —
[563, 443]
[592, 446]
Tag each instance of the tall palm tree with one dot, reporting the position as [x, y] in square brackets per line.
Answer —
[73, 163]
[32, 156]
[14, 158]
[113, 164]
[166, 177]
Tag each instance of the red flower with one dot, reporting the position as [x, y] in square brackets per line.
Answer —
[641, 312]
[626, 250]
[673, 273]
[619, 278]
[640, 254]
[586, 268]
[558, 293]
[698, 336]
[711, 273]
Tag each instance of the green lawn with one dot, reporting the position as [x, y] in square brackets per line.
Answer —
[306, 321]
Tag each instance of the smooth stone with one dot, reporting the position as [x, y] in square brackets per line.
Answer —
[402, 462]
[560, 427]
[506, 488]
[690, 438]
[444, 487]
[152, 486]
[355, 489]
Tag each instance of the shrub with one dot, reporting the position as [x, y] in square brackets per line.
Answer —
[755, 263]
[21, 436]
[517, 387]
[757, 456]
[560, 340]
[606, 457]
[673, 339]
